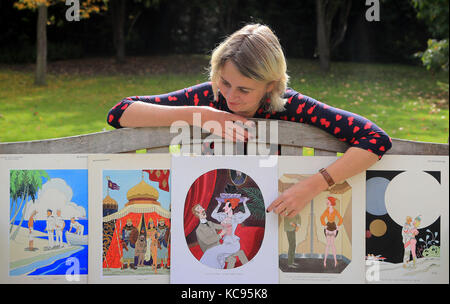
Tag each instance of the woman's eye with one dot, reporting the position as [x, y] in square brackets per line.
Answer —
[244, 91]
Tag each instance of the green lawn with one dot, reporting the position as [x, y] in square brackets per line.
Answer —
[404, 100]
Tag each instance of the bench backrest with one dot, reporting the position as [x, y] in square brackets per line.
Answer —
[283, 137]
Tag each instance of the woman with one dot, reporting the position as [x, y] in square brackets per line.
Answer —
[152, 242]
[248, 80]
[229, 218]
[330, 227]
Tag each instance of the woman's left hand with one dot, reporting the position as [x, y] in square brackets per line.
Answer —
[294, 199]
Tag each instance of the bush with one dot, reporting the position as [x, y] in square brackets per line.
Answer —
[435, 57]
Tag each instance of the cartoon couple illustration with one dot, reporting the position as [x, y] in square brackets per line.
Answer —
[409, 233]
[215, 253]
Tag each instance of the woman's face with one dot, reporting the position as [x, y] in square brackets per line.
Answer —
[227, 208]
[243, 94]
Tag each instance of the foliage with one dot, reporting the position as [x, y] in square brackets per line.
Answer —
[435, 14]
[256, 202]
[87, 7]
[256, 205]
[430, 247]
[24, 184]
[435, 57]
[432, 251]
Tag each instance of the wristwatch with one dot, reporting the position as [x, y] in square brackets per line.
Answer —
[327, 177]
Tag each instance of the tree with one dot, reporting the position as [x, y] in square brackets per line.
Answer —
[118, 12]
[435, 14]
[24, 184]
[85, 9]
[329, 13]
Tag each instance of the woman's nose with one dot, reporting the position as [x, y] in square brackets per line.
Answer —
[232, 94]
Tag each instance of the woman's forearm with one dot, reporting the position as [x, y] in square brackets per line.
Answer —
[354, 161]
[293, 200]
[141, 114]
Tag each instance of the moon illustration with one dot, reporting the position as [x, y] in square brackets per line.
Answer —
[413, 193]
[377, 227]
[375, 195]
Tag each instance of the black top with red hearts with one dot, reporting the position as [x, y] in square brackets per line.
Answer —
[348, 127]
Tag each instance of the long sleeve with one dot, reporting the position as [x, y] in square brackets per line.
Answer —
[348, 127]
[198, 95]
[242, 216]
[339, 217]
[323, 216]
[216, 215]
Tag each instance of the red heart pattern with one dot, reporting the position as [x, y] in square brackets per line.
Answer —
[350, 128]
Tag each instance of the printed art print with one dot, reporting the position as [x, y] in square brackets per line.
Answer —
[131, 218]
[136, 222]
[407, 220]
[221, 231]
[321, 243]
[47, 227]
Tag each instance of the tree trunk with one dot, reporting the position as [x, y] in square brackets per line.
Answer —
[14, 235]
[41, 46]
[327, 39]
[323, 42]
[118, 23]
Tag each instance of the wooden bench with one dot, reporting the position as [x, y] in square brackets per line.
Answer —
[273, 136]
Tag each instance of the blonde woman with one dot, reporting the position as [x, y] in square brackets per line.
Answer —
[248, 79]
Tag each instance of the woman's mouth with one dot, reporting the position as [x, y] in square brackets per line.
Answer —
[233, 104]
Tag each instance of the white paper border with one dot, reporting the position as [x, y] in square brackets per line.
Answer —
[355, 272]
[31, 162]
[98, 163]
[185, 268]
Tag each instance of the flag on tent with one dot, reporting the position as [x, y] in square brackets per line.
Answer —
[160, 176]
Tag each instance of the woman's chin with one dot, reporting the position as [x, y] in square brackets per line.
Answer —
[237, 109]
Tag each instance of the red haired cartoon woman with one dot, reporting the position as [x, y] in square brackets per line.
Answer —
[330, 227]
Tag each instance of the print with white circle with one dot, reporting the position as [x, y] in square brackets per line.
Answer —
[414, 193]
[375, 193]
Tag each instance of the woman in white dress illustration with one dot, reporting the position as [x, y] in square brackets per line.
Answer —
[229, 218]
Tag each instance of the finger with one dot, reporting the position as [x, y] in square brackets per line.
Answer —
[274, 204]
[292, 214]
[242, 124]
[281, 209]
[233, 136]
[239, 129]
[249, 128]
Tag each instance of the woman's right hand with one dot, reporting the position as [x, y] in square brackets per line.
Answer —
[226, 125]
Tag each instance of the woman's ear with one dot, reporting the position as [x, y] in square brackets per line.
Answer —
[270, 86]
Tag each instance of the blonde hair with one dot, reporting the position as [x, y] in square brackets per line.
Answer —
[257, 54]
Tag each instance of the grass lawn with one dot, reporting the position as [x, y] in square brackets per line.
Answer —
[404, 100]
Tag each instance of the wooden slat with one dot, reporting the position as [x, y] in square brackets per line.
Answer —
[158, 150]
[291, 150]
[319, 152]
[274, 133]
